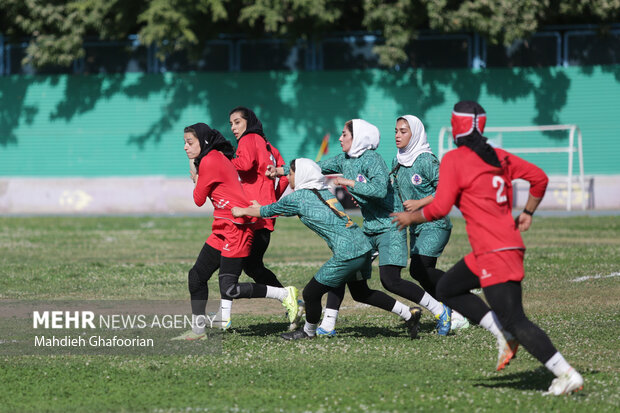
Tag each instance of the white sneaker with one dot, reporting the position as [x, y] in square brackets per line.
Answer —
[458, 321]
[568, 382]
[507, 347]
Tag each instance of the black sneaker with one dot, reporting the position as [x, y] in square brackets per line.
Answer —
[295, 335]
[413, 324]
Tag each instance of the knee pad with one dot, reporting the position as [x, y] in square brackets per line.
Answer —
[231, 289]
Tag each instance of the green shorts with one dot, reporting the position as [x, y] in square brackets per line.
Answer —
[392, 247]
[429, 242]
[337, 272]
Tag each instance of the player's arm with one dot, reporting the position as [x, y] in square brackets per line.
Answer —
[376, 184]
[204, 182]
[244, 159]
[521, 169]
[251, 211]
[404, 219]
[415, 204]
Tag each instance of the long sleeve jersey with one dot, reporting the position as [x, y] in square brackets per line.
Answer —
[483, 193]
[218, 180]
[251, 160]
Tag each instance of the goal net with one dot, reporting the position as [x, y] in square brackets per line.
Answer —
[503, 136]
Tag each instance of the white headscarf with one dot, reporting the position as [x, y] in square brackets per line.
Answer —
[308, 175]
[417, 144]
[365, 136]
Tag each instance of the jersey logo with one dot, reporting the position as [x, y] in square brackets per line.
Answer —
[225, 247]
[485, 274]
[332, 202]
[361, 178]
[221, 203]
[416, 179]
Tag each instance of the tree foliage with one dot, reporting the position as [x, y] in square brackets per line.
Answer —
[56, 30]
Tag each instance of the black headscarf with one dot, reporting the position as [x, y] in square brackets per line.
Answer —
[475, 141]
[253, 125]
[210, 139]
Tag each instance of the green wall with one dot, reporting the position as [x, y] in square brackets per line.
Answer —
[132, 124]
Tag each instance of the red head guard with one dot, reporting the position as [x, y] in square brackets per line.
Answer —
[467, 117]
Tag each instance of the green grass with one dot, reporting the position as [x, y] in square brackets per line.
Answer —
[370, 366]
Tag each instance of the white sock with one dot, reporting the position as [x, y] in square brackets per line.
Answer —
[225, 308]
[431, 304]
[557, 365]
[277, 293]
[198, 323]
[329, 319]
[310, 329]
[402, 310]
[492, 324]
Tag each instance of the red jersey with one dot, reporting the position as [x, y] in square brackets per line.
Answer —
[218, 180]
[251, 161]
[483, 193]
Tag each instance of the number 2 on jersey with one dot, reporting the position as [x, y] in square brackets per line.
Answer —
[499, 183]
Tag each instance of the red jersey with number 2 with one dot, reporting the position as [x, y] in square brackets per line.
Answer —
[483, 193]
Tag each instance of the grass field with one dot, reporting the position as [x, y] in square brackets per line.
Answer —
[370, 366]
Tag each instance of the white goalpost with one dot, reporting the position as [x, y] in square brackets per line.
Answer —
[570, 150]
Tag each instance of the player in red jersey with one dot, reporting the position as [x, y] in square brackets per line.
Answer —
[254, 154]
[477, 178]
[231, 238]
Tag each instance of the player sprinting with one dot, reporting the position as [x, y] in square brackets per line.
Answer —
[478, 180]
[366, 177]
[350, 264]
[415, 172]
[230, 240]
[254, 153]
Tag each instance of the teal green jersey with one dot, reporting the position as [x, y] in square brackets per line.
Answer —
[416, 182]
[373, 190]
[328, 220]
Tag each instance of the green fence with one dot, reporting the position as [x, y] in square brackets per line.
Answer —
[132, 124]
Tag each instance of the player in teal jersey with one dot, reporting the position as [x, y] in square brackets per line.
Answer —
[350, 264]
[366, 177]
[415, 172]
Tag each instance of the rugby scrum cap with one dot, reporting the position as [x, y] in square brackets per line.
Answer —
[468, 117]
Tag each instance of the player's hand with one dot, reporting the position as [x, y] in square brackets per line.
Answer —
[523, 221]
[236, 212]
[343, 181]
[412, 205]
[402, 219]
[255, 204]
[271, 172]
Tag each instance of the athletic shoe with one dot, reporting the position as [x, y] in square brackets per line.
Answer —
[568, 382]
[190, 336]
[290, 303]
[413, 324]
[321, 332]
[444, 321]
[507, 347]
[301, 312]
[458, 322]
[226, 325]
[295, 335]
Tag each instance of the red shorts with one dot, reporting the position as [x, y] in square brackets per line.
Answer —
[232, 240]
[497, 267]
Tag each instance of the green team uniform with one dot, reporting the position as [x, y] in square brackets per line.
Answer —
[375, 196]
[348, 243]
[416, 182]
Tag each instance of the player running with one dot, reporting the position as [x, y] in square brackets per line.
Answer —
[231, 238]
[320, 211]
[366, 177]
[478, 180]
[254, 153]
[415, 171]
